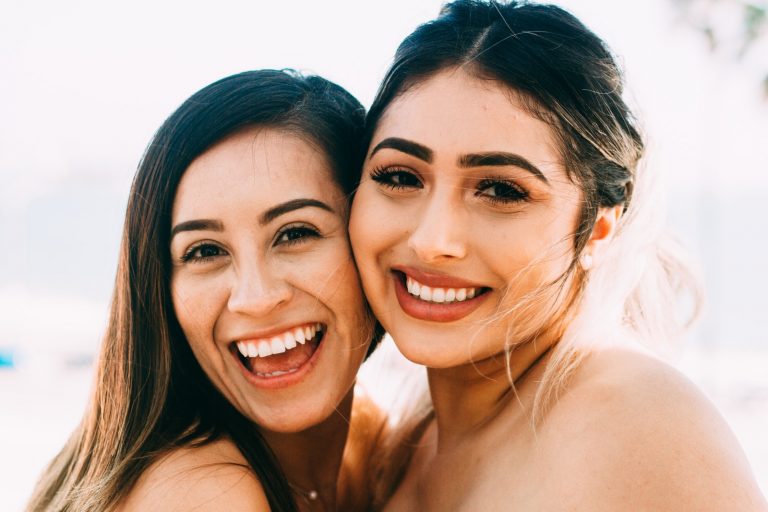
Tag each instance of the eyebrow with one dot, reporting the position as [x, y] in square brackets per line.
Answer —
[197, 225]
[499, 158]
[406, 146]
[292, 205]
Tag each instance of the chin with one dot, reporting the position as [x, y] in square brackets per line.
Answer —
[416, 350]
[292, 421]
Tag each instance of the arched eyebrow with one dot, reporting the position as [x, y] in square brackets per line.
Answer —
[405, 146]
[197, 225]
[487, 159]
[501, 158]
[289, 206]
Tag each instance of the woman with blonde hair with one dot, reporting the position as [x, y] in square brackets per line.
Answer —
[500, 232]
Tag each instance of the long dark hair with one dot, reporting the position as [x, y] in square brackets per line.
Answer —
[566, 76]
[564, 71]
[150, 393]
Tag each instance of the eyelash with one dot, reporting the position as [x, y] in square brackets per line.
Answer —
[304, 230]
[514, 193]
[189, 256]
[385, 176]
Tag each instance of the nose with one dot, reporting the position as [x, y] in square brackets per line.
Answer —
[440, 234]
[257, 290]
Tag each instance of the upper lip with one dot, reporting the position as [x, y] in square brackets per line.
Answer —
[272, 331]
[436, 280]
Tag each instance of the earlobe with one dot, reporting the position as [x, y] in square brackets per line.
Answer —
[603, 231]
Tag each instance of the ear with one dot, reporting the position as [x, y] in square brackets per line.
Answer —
[603, 231]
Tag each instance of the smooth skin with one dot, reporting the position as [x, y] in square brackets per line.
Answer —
[261, 246]
[630, 433]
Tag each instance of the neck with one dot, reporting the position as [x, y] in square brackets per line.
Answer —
[311, 459]
[470, 396]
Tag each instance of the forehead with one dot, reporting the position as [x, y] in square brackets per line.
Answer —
[457, 112]
[258, 167]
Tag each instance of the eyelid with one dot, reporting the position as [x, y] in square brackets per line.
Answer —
[489, 181]
[380, 174]
[312, 232]
[187, 257]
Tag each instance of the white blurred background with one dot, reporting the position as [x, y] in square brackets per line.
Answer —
[84, 84]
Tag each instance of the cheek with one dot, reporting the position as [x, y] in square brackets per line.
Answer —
[197, 302]
[375, 227]
[528, 251]
[360, 219]
[329, 275]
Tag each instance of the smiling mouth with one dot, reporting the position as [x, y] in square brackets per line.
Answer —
[283, 354]
[438, 295]
[436, 303]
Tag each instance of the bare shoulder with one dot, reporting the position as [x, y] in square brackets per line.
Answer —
[632, 429]
[205, 478]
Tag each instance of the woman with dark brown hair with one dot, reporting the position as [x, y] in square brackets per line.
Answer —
[225, 379]
[500, 229]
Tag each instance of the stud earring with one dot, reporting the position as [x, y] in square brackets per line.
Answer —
[586, 261]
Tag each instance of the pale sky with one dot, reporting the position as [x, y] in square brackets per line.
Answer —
[85, 84]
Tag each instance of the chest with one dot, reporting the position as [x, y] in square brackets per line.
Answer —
[486, 474]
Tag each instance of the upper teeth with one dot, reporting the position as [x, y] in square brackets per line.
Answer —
[278, 344]
[439, 295]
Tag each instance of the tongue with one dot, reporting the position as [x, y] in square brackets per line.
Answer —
[288, 360]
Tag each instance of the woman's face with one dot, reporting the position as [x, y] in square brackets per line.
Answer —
[464, 214]
[263, 281]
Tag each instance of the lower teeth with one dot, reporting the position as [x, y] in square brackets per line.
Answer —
[276, 373]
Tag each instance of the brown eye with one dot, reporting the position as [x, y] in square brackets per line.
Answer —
[296, 234]
[203, 252]
[396, 178]
[501, 191]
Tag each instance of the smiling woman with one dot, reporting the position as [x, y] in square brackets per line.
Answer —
[500, 242]
[263, 284]
[225, 380]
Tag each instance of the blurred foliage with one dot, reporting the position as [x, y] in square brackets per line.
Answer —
[737, 28]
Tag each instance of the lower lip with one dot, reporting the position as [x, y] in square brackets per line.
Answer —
[433, 311]
[285, 380]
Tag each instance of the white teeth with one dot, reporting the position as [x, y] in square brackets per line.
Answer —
[276, 373]
[299, 337]
[290, 339]
[438, 295]
[278, 344]
[265, 349]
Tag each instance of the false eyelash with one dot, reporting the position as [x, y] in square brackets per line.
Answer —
[381, 174]
[522, 194]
